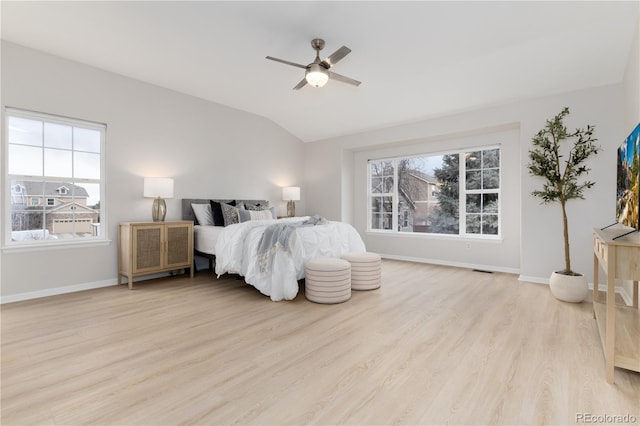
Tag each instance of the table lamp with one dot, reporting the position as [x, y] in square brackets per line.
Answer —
[158, 189]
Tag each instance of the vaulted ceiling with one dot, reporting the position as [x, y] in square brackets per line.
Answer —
[416, 59]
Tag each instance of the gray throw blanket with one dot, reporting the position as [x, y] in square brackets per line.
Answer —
[279, 235]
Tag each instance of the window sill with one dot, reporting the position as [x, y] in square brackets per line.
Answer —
[450, 237]
[30, 247]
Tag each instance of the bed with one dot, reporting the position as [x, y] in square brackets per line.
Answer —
[239, 249]
[205, 237]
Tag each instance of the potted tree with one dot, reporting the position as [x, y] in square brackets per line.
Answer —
[561, 171]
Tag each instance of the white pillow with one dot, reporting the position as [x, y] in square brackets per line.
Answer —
[247, 215]
[203, 213]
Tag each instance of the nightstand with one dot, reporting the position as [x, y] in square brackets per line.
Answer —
[151, 247]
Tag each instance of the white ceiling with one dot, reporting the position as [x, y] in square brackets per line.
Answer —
[416, 59]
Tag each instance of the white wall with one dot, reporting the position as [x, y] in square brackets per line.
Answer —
[540, 237]
[631, 85]
[211, 151]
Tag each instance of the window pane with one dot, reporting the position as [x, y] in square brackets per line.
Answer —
[474, 179]
[490, 224]
[387, 204]
[57, 163]
[25, 160]
[387, 218]
[57, 136]
[86, 140]
[376, 185]
[473, 160]
[380, 221]
[491, 179]
[92, 194]
[24, 131]
[381, 212]
[376, 204]
[491, 158]
[489, 203]
[473, 224]
[86, 166]
[444, 219]
[27, 211]
[388, 184]
[473, 203]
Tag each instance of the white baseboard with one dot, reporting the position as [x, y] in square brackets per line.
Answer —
[58, 290]
[602, 287]
[490, 268]
[73, 288]
[628, 299]
[535, 280]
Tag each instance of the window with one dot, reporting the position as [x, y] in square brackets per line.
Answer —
[425, 194]
[382, 178]
[482, 183]
[55, 169]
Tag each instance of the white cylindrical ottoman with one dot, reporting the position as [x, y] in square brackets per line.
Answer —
[327, 280]
[366, 270]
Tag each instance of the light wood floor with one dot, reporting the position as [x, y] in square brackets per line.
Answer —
[434, 345]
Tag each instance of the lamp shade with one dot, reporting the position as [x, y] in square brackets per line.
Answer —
[291, 193]
[317, 75]
[158, 187]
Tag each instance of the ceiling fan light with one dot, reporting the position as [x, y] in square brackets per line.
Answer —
[316, 75]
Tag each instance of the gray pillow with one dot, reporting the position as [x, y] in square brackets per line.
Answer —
[258, 207]
[230, 214]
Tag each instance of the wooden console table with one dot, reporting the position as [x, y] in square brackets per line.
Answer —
[619, 326]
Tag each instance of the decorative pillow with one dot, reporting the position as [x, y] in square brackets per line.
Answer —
[203, 214]
[230, 214]
[247, 215]
[259, 206]
[216, 210]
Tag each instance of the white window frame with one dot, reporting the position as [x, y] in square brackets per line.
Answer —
[462, 220]
[462, 214]
[393, 194]
[7, 243]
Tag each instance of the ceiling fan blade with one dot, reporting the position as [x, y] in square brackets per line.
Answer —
[342, 78]
[301, 84]
[336, 56]
[287, 62]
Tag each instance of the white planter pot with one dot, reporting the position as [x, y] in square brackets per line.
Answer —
[568, 288]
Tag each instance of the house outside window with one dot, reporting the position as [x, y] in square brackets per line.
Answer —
[57, 164]
[426, 193]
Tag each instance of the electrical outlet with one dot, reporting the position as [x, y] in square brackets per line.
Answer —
[468, 246]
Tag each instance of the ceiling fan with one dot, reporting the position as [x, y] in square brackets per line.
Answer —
[317, 72]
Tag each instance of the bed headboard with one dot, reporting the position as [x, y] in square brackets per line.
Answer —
[187, 211]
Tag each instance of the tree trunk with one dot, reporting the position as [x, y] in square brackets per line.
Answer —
[565, 225]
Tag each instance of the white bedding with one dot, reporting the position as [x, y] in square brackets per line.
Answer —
[237, 245]
[205, 238]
